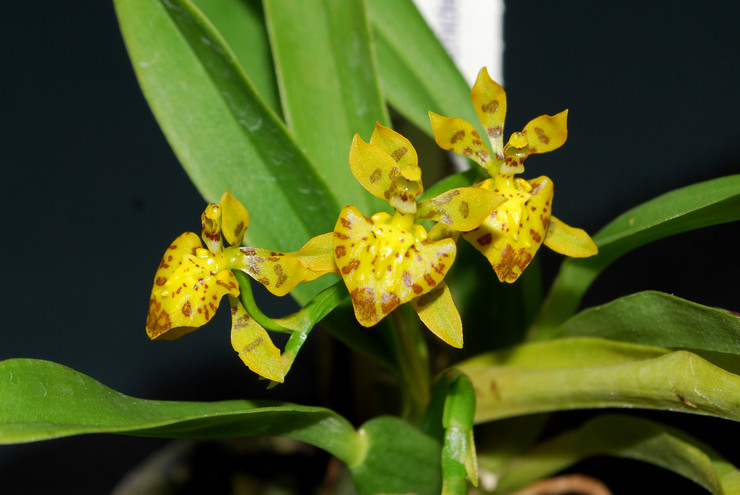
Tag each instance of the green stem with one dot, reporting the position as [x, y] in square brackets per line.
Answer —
[413, 364]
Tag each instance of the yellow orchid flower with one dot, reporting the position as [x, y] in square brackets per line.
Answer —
[388, 260]
[191, 281]
[514, 231]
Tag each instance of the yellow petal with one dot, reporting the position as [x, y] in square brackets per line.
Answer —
[568, 240]
[438, 312]
[512, 234]
[387, 167]
[235, 219]
[459, 136]
[190, 296]
[463, 208]
[318, 254]
[387, 261]
[278, 272]
[546, 133]
[253, 344]
[158, 320]
[489, 99]
[400, 149]
[211, 228]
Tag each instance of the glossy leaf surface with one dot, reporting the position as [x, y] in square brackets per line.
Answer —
[41, 400]
[582, 373]
[627, 437]
[699, 205]
[682, 324]
[224, 135]
[328, 83]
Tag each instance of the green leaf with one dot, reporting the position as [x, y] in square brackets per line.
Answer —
[692, 207]
[222, 132]
[580, 373]
[399, 459]
[41, 400]
[328, 82]
[242, 24]
[627, 437]
[416, 72]
[655, 318]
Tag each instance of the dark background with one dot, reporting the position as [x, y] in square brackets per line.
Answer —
[92, 195]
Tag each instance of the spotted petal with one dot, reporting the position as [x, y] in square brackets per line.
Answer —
[317, 255]
[567, 240]
[463, 208]
[512, 234]
[234, 219]
[489, 99]
[546, 133]
[459, 136]
[387, 261]
[278, 272]
[189, 296]
[438, 312]
[253, 344]
[387, 167]
[210, 221]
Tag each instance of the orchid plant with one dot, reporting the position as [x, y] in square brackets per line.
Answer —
[267, 114]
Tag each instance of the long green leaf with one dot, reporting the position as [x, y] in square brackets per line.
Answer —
[242, 24]
[692, 207]
[41, 400]
[328, 83]
[655, 318]
[416, 72]
[583, 373]
[628, 437]
[220, 129]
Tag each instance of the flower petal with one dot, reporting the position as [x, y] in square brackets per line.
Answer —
[462, 208]
[511, 236]
[278, 272]
[568, 240]
[253, 344]
[318, 255]
[489, 99]
[235, 219]
[384, 264]
[437, 311]
[459, 136]
[210, 221]
[158, 320]
[190, 296]
[547, 133]
[387, 167]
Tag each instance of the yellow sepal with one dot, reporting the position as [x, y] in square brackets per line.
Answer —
[437, 311]
[489, 99]
[462, 209]
[253, 344]
[459, 136]
[278, 272]
[387, 167]
[547, 133]
[234, 219]
[570, 241]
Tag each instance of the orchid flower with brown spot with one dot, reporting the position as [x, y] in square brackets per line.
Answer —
[191, 281]
[514, 231]
[388, 260]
